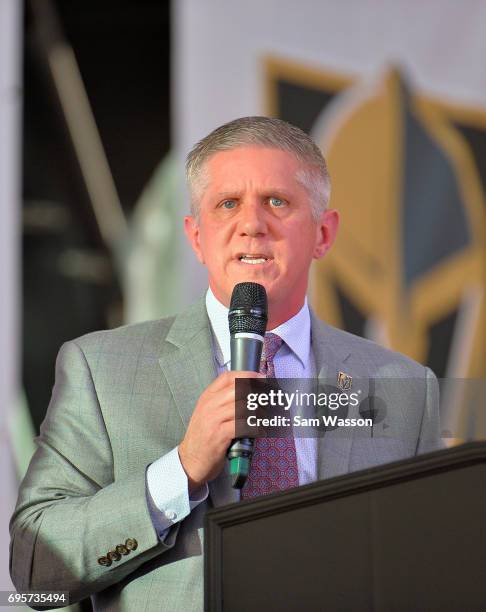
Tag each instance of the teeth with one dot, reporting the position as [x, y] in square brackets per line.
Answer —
[252, 260]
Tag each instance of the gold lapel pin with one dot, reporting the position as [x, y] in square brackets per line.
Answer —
[344, 381]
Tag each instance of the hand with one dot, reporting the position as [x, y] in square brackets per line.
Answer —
[212, 427]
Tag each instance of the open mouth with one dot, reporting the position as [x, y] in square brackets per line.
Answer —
[253, 258]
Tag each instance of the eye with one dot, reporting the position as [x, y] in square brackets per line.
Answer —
[276, 202]
[228, 204]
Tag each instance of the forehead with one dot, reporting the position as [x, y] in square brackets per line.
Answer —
[252, 167]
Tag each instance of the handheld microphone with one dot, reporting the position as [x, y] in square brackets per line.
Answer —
[247, 322]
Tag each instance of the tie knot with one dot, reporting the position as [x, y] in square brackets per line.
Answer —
[271, 344]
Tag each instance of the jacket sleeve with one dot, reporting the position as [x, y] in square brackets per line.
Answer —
[71, 512]
[429, 437]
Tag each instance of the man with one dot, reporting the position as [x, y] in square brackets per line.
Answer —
[133, 448]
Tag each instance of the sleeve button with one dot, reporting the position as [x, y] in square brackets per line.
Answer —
[113, 555]
[104, 561]
[121, 549]
[131, 544]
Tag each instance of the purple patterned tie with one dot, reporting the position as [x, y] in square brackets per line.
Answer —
[274, 463]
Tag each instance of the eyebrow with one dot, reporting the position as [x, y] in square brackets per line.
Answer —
[226, 194]
[276, 191]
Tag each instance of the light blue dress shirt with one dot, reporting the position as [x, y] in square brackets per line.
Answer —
[167, 487]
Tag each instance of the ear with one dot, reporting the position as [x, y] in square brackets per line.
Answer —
[192, 231]
[327, 228]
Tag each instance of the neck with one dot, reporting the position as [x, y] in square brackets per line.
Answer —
[278, 315]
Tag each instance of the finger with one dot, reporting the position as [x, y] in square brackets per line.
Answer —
[227, 380]
[247, 374]
[217, 405]
[228, 431]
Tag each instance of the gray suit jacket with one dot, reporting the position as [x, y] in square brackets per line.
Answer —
[121, 400]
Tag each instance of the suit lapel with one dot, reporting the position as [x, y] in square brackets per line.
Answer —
[187, 359]
[188, 365]
[334, 448]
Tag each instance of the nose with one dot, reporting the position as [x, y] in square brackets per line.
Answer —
[252, 221]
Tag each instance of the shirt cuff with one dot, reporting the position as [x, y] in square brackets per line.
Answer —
[167, 489]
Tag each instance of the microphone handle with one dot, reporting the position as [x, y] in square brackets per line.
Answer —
[246, 352]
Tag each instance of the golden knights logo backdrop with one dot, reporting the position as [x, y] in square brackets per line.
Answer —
[409, 179]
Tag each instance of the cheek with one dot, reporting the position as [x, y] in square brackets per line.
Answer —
[300, 255]
[212, 251]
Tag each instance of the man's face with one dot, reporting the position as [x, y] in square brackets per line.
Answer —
[256, 224]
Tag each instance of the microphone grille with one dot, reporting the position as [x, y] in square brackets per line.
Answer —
[248, 295]
[248, 309]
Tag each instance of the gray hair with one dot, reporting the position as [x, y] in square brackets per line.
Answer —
[263, 132]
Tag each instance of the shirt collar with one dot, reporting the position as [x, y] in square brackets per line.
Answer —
[295, 332]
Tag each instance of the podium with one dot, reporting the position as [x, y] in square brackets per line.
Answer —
[410, 535]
